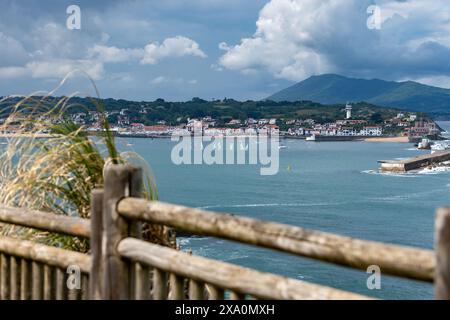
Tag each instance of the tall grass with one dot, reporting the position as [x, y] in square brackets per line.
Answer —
[51, 164]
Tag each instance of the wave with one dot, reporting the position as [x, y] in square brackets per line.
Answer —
[411, 174]
[258, 205]
[403, 197]
[183, 241]
[435, 170]
[392, 174]
[187, 242]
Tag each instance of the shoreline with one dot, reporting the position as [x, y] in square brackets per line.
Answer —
[47, 135]
[387, 139]
[350, 138]
[27, 135]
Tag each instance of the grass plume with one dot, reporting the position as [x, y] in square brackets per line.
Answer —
[51, 164]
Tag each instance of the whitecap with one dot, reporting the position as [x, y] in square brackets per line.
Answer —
[236, 256]
[403, 197]
[256, 205]
[183, 241]
[391, 174]
[435, 170]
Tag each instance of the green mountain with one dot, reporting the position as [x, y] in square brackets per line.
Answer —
[331, 89]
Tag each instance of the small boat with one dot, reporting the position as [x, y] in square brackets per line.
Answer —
[424, 145]
[311, 138]
[282, 147]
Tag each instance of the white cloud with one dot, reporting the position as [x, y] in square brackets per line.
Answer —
[54, 53]
[60, 68]
[159, 80]
[437, 81]
[12, 51]
[114, 54]
[162, 80]
[13, 72]
[298, 38]
[54, 41]
[216, 67]
[171, 47]
[224, 46]
[121, 77]
[152, 53]
[53, 69]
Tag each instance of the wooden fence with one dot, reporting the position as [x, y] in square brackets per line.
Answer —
[121, 265]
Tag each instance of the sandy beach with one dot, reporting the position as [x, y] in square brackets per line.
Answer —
[387, 139]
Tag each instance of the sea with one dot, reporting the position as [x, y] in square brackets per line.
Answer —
[328, 186]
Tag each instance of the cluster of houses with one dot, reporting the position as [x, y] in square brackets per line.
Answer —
[422, 128]
[407, 123]
[235, 127]
[205, 126]
[338, 128]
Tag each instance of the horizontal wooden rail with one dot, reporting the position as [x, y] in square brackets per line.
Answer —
[46, 221]
[224, 275]
[47, 255]
[408, 262]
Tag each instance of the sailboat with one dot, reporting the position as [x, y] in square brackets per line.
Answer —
[244, 148]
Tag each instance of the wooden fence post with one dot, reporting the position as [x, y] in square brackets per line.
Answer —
[139, 284]
[442, 277]
[96, 274]
[119, 182]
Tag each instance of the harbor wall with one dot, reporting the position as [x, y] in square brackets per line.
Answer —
[415, 162]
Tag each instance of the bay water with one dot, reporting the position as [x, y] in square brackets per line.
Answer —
[327, 186]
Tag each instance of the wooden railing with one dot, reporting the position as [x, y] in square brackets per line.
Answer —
[121, 265]
[30, 270]
[418, 264]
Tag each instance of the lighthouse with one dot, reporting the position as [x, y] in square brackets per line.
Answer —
[348, 110]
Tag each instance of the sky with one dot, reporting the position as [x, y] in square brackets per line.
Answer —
[242, 49]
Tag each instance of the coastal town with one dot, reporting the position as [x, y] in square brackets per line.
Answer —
[405, 124]
[301, 120]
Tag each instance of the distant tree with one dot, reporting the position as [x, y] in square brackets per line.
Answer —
[376, 118]
[198, 100]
